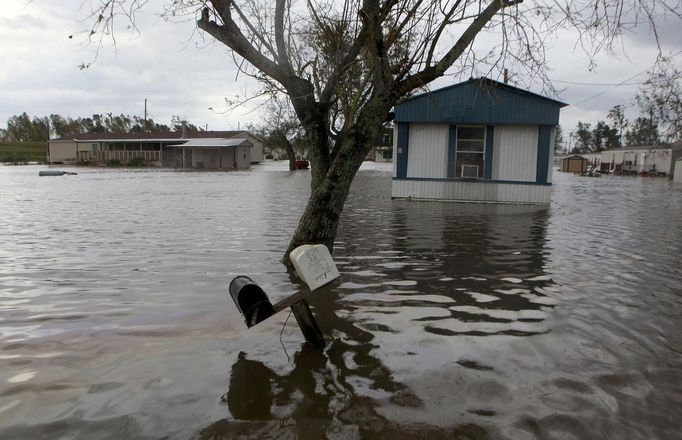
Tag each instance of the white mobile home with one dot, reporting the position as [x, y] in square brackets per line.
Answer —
[634, 160]
[480, 140]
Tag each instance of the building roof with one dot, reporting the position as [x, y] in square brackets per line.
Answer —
[158, 136]
[673, 146]
[480, 101]
[215, 143]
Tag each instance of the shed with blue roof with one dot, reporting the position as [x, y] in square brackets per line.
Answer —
[480, 141]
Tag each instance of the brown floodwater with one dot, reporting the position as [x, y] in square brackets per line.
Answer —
[449, 320]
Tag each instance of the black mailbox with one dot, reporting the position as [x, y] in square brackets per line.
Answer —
[251, 300]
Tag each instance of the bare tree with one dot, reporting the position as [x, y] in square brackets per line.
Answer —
[345, 64]
[280, 127]
[660, 98]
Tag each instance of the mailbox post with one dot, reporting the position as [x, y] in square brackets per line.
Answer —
[315, 266]
[307, 323]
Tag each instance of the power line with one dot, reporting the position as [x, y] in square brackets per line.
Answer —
[606, 90]
[595, 84]
[620, 83]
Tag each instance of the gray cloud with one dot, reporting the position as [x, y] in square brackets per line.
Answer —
[22, 23]
[41, 75]
[179, 73]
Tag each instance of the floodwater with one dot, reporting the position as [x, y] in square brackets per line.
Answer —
[449, 320]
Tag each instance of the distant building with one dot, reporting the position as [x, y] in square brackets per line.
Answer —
[383, 152]
[593, 160]
[634, 160]
[480, 140]
[213, 154]
[574, 164]
[156, 149]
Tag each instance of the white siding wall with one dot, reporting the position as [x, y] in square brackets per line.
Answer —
[428, 151]
[515, 152]
[472, 191]
[660, 159]
[256, 150]
[63, 151]
[243, 157]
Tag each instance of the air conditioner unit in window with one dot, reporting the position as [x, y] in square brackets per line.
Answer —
[470, 171]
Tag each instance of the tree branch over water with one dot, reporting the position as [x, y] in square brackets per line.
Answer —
[344, 65]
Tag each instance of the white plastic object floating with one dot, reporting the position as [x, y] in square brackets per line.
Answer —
[314, 264]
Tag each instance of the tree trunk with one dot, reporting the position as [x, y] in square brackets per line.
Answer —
[314, 118]
[332, 175]
[281, 139]
[321, 216]
[291, 154]
[328, 196]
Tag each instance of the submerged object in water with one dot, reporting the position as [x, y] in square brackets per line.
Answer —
[55, 173]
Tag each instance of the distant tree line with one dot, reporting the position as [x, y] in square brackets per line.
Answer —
[659, 100]
[24, 128]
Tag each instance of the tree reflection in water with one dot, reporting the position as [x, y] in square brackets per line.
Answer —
[319, 397]
[433, 274]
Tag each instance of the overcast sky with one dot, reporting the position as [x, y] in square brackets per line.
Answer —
[179, 74]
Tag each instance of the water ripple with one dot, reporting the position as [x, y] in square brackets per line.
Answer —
[449, 320]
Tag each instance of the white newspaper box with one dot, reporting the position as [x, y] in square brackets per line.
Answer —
[314, 264]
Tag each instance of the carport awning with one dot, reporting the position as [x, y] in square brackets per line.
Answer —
[214, 143]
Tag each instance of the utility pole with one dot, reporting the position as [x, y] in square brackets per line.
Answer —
[48, 139]
[145, 115]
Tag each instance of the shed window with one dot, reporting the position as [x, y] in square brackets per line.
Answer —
[470, 152]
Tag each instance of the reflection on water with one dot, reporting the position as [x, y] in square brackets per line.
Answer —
[481, 266]
[449, 321]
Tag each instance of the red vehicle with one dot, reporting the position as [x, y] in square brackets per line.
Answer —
[301, 164]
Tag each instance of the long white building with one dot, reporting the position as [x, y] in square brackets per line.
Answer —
[160, 149]
[660, 159]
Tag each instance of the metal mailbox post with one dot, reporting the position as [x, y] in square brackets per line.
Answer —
[315, 266]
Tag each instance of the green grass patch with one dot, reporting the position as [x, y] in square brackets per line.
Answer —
[136, 162]
[22, 152]
[114, 163]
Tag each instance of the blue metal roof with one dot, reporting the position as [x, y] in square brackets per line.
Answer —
[480, 101]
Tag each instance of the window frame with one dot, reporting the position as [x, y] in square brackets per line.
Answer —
[482, 152]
